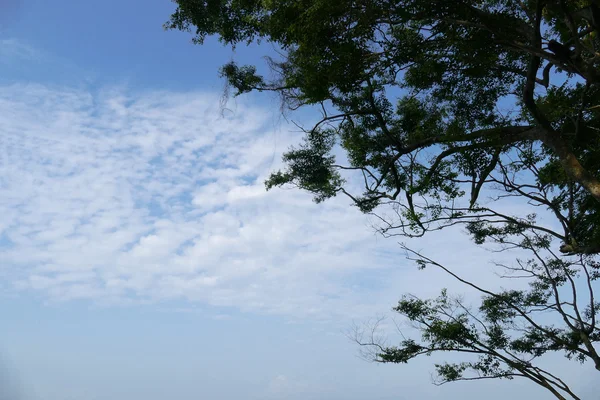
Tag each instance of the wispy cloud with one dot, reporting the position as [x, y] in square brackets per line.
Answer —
[12, 50]
[115, 196]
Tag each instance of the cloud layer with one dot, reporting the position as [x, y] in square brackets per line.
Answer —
[116, 196]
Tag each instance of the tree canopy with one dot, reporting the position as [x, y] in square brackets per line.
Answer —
[428, 98]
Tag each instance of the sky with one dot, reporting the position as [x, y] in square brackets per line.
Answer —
[141, 257]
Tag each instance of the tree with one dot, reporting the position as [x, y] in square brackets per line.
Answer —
[438, 104]
[425, 96]
[511, 329]
[506, 335]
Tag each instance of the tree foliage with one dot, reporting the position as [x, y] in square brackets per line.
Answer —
[428, 98]
[511, 329]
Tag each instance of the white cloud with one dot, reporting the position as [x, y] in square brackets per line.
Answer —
[116, 196]
[12, 49]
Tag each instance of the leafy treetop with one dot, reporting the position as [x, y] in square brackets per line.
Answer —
[432, 101]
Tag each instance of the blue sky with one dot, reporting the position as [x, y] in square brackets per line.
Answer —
[141, 258]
